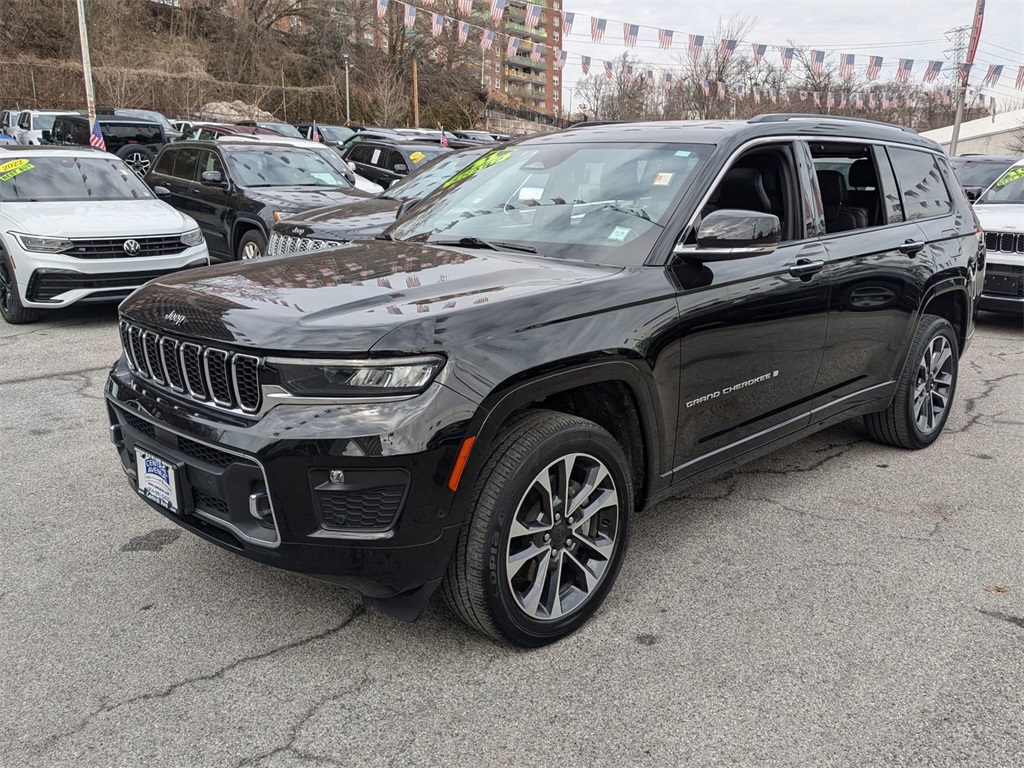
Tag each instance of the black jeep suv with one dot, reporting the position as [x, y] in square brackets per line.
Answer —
[569, 330]
[134, 140]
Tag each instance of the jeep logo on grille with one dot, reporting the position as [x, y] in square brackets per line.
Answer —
[132, 247]
[175, 318]
[298, 231]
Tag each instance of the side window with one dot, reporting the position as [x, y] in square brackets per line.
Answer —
[185, 163]
[920, 182]
[24, 121]
[165, 163]
[848, 181]
[393, 159]
[57, 132]
[376, 156]
[210, 162]
[80, 134]
[207, 135]
[361, 154]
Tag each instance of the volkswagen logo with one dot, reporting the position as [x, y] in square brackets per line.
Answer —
[132, 247]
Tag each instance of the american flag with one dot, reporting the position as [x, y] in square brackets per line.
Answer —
[817, 60]
[992, 107]
[843, 100]
[532, 15]
[846, 61]
[96, 137]
[871, 100]
[650, 77]
[721, 89]
[465, 7]
[787, 58]
[437, 25]
[858, 100]
[738, 90]
[874, 66]
[429, 3]
[667, 80]
[726, 48]
[513, 46]
[382, 8]
[965, 71]
[628, 73]
[995, 71]
[586, 65]
[444, 138]
[536, 51]
[567, 20]
[817, 98]
[947, 97]
[757, 95]
[885, 100]
[759, 51]
[830, 99]
[608, 69]
[629, 34]
[912, 99]
[560, 59]
[410, 16]
[498, 10]
[803, 95]
[1020, 79]
[315, 133]
[706, 87]
[773, 94]
[696, 44]
[597, 27]
[463, 32]
[904, 69]
[932, 71]
[665, 38]
[486, 39]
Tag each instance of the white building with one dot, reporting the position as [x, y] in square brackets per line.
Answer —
[984, 136]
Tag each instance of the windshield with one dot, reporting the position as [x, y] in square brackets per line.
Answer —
[44, 122]
[282, 128]
[605, 203]
[283, 167]
[978, 173]
[334, 132]
[156, 117]
[48, 179]
[1008, 188]
[429, 177]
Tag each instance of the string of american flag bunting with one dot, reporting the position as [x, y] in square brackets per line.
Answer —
[696, 44]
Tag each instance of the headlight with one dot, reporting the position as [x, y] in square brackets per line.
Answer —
[192, 237]
[44, 244]
[358, 378]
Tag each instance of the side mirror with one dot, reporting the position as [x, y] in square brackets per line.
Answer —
[407, 206]
[212, 178]
[734, 234]
[401, 168]
[973, 193]
[46, 135]
[162, 192]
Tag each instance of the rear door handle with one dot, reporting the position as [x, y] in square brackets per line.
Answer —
[911, 247]
[804, 268]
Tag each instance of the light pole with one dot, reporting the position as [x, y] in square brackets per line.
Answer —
[348, 106]
[90, 95]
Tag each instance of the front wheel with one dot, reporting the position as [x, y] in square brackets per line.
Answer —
[549, 529]
[920, 408]
[11, 308]
[252, 245]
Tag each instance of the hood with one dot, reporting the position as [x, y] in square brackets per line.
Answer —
[304, 198]
[1005, 217]
[366, 218]
[99, 218]
[346, 299]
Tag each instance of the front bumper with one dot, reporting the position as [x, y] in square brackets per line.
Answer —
[1003, 290]
[384, 531]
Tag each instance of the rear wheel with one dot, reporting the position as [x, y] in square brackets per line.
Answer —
[11, 308]
[550, 525]
[137, 157]
[252, 245]
[924, 397]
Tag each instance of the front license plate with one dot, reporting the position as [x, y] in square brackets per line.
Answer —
[158, 480]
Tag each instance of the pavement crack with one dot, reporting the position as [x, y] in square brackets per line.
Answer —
[173, 688]
[971, 403]
[55, 375]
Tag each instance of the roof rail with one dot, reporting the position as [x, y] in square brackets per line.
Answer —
[785, 116]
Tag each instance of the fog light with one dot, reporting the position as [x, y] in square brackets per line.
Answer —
[336, 476]
[259, 505]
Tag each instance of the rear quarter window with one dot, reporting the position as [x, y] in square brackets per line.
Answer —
[165, 163]
[139, 134]
[921, 183]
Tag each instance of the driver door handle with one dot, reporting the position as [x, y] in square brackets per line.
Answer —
[804, 268]
[911, 247]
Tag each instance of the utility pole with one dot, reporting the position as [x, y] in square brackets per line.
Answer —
[348, 106]
[90, 94]
[415, 97]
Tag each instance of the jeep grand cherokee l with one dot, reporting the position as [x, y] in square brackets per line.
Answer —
[566, 332]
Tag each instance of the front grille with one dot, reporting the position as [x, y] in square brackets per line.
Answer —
[1004, 242]
[113, 247]
[207, 453]
[287, 245]
[369, 509]
[208, 374]
[48, 284]
[138, 424]
[209, 503]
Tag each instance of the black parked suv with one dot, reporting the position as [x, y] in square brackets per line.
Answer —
[236, 189]
[135, 140]
[567, 332]
[385, 162]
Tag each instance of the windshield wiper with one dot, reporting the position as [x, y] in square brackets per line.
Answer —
[479, 242]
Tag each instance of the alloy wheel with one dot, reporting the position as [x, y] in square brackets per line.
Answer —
[138, 162]
[6, 286]
[251, 250]
[562, 537]
[933, 384]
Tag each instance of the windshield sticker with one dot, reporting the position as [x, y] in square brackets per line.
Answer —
[663, 179]
[326, 178]
[491, 158]
[1011, 175]
[14, 167]
[417, 157]
[683, 153]
[620, 233]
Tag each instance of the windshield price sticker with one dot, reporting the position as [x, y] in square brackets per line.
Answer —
[1014, 174]
[491, 158]
[417, 157]
[12, 168]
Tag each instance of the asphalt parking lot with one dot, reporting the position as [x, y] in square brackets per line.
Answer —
[837, 603]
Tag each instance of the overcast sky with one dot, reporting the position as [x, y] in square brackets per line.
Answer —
[893, 29]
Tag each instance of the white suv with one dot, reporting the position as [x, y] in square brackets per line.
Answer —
[1001, 213]
[79, 225]
[32, 122]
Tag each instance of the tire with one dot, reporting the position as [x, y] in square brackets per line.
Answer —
[11, 308]
[253, 245]
[924, 397]
[137, 157]
[521, 609]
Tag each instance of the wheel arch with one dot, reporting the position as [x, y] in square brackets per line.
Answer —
[242, 225]
[951, 301]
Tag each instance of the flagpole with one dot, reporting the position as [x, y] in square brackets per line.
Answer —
[90, 94]
[961, 96]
